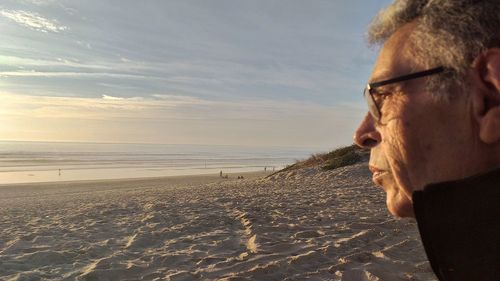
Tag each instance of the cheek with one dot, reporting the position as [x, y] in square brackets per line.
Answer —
[403, 151]
[395, 142]
[397, 133]
[423, 150]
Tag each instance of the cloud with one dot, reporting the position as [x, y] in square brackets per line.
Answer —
[33, 21]
[106, 97]
[171, 118]
[55, 62]
[247, 72]
[184, 100]
[162, 106]
[106, 107]
[34, 73]
[41, 2]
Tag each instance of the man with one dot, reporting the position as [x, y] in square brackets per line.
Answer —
[433, 128]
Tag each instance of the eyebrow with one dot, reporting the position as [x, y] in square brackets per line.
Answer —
[380, 76]
[409, 76]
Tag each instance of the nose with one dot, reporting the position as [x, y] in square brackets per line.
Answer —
[366, 135]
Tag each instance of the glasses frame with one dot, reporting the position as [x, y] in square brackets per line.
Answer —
[370, 88]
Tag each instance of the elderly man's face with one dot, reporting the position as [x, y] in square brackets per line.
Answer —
[419, 140]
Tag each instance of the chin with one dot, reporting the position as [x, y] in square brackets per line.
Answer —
[400, 206]
[398, 203]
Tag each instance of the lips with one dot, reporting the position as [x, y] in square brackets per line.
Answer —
[378, 175]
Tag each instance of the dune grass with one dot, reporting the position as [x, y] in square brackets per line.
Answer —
[340, 157]
[343, 156]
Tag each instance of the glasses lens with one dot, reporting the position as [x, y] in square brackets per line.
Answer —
[372, 106]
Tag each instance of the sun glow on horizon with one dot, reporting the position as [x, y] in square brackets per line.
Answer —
[189, 72]
[160, 119]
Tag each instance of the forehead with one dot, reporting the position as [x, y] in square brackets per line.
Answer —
[394, 58]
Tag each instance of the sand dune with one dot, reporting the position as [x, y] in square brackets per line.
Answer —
[301, 225]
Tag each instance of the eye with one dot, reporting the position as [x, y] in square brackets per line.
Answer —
[380, 96]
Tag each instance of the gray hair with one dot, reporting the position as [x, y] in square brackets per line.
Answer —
[449, 33]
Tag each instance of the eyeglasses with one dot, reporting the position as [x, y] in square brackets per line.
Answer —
[369, 92]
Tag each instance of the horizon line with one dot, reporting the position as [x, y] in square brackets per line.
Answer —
[152, 143]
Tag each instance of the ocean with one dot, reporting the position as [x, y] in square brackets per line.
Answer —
[28, 162]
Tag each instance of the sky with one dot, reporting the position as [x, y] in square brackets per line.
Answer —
[262, 72]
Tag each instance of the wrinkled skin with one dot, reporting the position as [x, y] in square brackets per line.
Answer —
[419, 140]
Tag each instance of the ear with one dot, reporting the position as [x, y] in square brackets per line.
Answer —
[486, 95]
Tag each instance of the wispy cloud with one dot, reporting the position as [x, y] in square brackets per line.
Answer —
[104, 107]
[160, 106]
[106, 97]
[221, 72]
[176, 119]
[33, 21]
[33, 73]
[40, 2]
[43, 63]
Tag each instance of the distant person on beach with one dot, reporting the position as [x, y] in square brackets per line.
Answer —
[433, 128]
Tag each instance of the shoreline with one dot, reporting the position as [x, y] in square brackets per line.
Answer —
[150, 181]
[64, 175]
[51, 162]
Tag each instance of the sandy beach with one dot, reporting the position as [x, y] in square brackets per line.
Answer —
[306, 224]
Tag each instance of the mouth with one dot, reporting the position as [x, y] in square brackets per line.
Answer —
[378, 175]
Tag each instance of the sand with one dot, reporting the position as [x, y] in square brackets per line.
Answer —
[300, 225]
